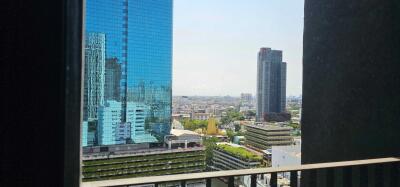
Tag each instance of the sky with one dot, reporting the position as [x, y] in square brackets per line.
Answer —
[216, 44]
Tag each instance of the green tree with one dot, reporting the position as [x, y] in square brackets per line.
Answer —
[194, 124]
[230, 134]
[232, 115]
[239, 133]
[210, 144]
[237, 127]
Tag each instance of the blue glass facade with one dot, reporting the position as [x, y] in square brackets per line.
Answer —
[138, 43]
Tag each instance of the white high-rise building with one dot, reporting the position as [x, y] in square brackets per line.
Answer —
[112, 130]
[95, 47]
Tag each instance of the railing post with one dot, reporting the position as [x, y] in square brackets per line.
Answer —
[274, 180]
[293, 178]
[312, 178]
[347, 176]
[394, 174]
[208, 182]
[231, 181]
[363, 175]
[330, 177]
[379, 175]
[253, 180]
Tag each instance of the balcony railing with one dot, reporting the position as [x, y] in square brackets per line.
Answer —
[387, 173]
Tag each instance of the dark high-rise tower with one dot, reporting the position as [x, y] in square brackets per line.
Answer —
[112, 79]
[271, 82]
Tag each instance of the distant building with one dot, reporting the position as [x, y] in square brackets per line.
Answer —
[109, 117]
[201, 116]
[111, 130]
[267, 157]
[84, 133]
[271, 82]
[244, 108]
[246, 98]
[93, 95]
[91, 134]
[263, 136]
[180, 117]
[183, 139]
[228, 156]
[112, 79]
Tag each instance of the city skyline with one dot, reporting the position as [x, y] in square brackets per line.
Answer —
[221, 38]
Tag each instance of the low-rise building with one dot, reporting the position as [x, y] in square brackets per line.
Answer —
[201, 116]
[183, 139]
[142, 162]
[262, 136]
[176, 125]
[180, 117]
[228, 156]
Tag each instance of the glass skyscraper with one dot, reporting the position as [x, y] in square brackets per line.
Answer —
[136, 71]
[271, 83]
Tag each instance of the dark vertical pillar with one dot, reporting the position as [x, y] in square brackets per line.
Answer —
[347, 177]
[253, 181]
[208, 182]
[313, 175]
[330, 177]
[394, 174]
[378, 175]
[363, 175]
[73, 56]
[231, 181]
[350, 80]
[40, 80]
[293, 178]
[274, 180]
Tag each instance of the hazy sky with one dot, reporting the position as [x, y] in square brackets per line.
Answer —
[216, 44]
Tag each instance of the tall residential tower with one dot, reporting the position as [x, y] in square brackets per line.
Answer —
[271, 83]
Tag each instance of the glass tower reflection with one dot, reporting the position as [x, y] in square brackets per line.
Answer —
[137, 69]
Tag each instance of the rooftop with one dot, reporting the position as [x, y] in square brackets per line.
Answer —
[180, 132]
[269, 127]
[239, 151]
[155, 151]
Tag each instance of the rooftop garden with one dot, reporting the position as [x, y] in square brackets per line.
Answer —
[239, 152]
